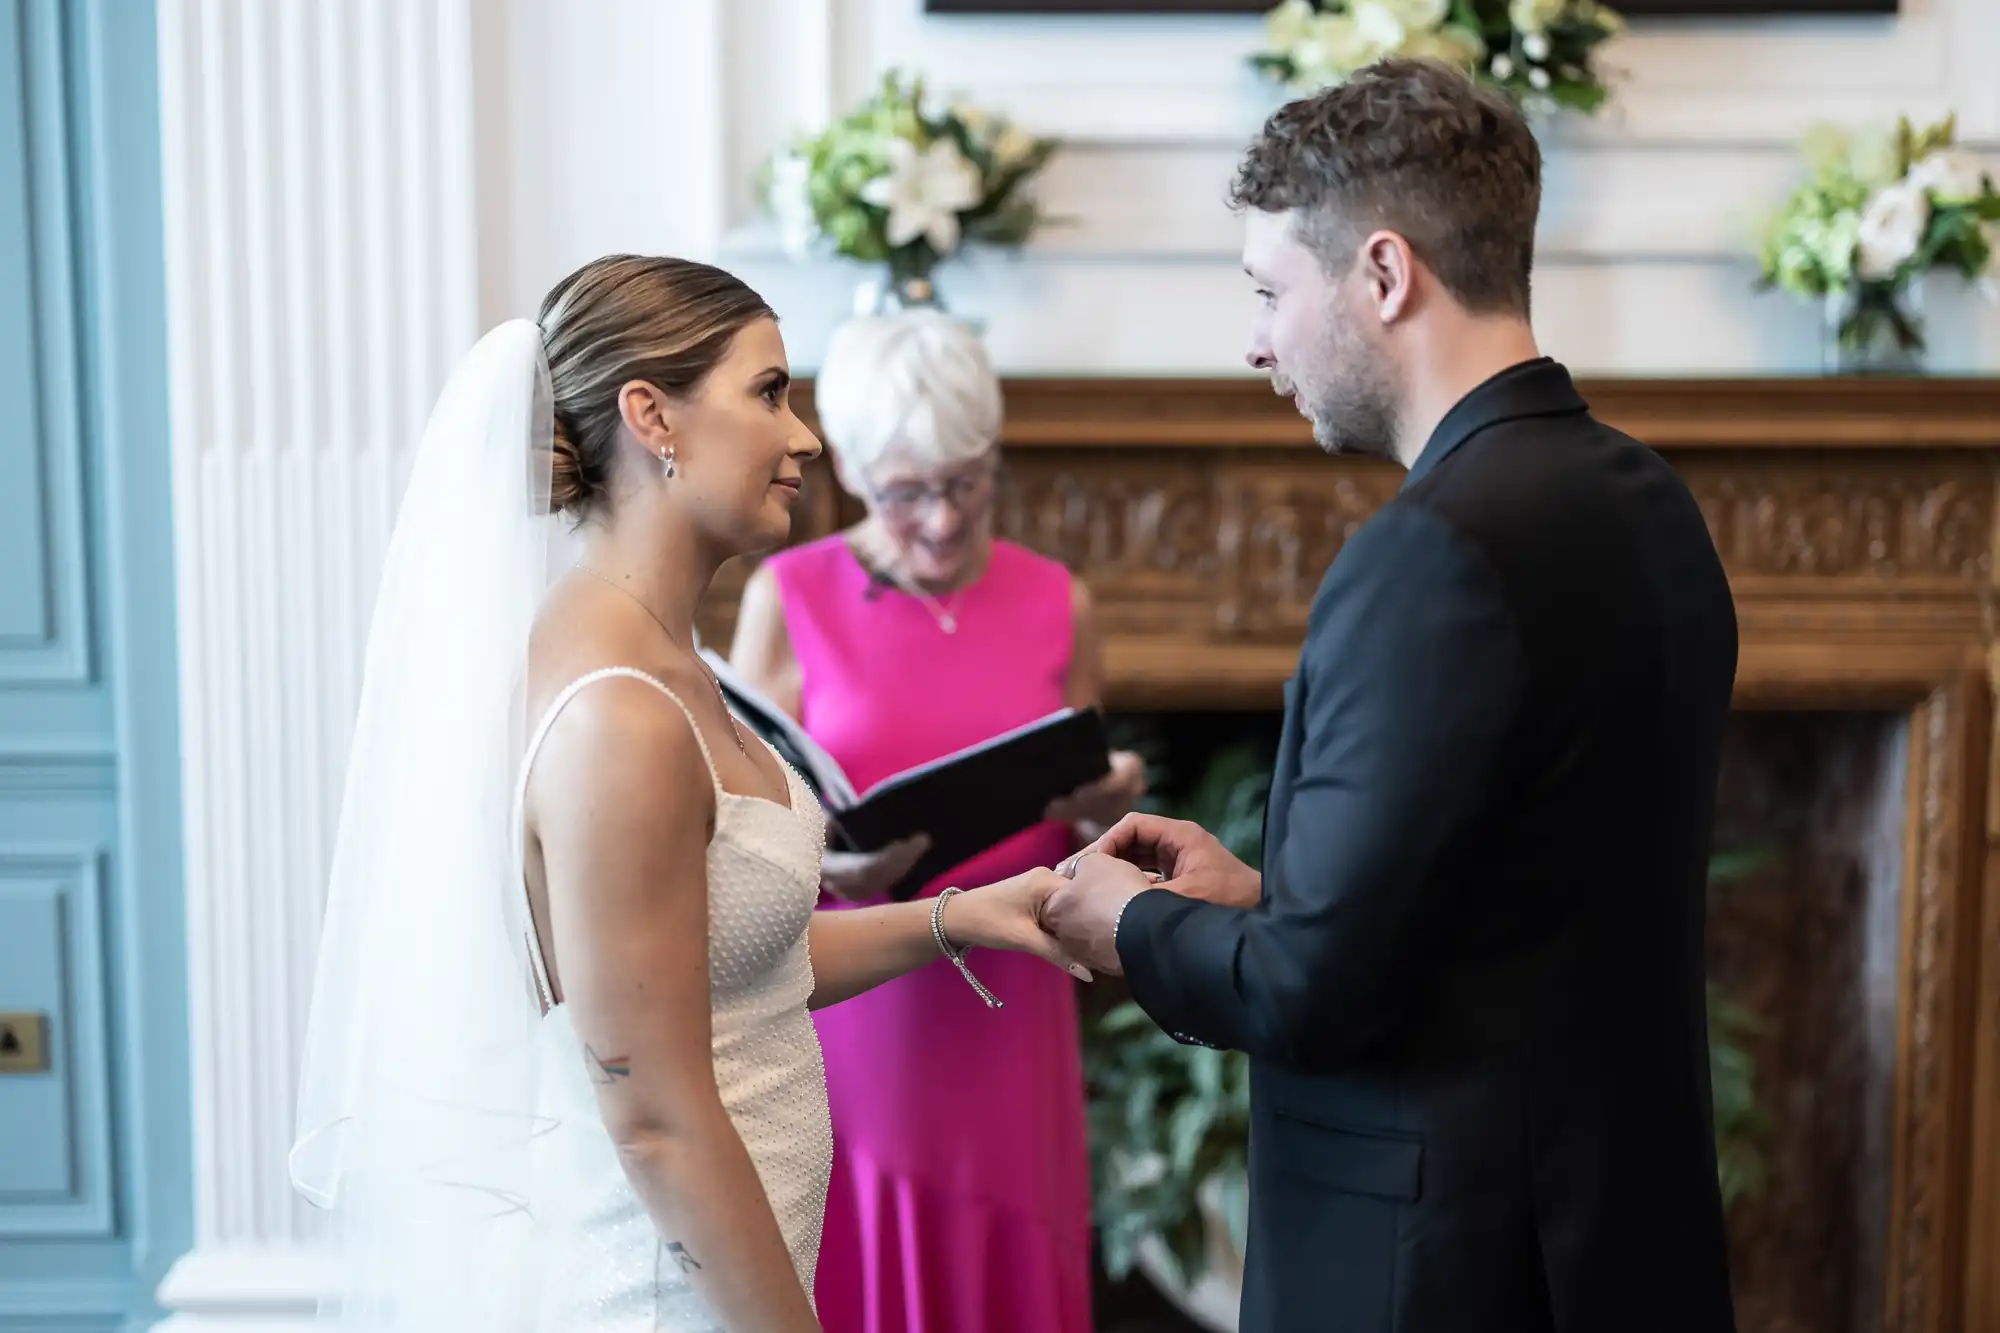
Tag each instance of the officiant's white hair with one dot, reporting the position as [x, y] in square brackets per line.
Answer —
[915, 387]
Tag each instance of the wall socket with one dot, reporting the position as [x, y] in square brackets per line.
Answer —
[24, 1047]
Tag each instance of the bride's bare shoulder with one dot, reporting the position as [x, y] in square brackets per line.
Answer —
[618, 727]
[619, 743]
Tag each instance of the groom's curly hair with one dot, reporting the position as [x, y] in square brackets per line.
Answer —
[1417, 148]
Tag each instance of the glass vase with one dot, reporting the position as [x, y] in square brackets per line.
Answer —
[892, 289]
[1873, 328]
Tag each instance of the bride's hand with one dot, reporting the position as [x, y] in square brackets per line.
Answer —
[1007, 915]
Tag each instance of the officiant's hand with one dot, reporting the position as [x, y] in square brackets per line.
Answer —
[857, 877]
[1191, 860]
[1101, 803]
[1083, 913]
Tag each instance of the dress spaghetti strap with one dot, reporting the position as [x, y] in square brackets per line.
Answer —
[536, 959]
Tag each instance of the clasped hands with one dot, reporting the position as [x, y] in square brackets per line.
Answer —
[1082, 907]
[1069, 915]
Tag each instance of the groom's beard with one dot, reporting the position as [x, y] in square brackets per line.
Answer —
[1362, 427]
[1356, 412]
[1347, 388]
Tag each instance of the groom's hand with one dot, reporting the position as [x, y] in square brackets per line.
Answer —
[1083, 911]
[1191, 860]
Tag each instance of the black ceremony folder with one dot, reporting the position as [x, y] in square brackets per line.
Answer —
[966, 801]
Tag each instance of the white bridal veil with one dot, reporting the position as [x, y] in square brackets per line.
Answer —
[419, 1095]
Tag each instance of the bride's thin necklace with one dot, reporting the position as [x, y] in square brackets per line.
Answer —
[734, 730]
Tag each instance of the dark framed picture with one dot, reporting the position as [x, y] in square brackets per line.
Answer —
[1631, 8]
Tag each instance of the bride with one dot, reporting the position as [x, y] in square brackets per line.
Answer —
[560, 1073]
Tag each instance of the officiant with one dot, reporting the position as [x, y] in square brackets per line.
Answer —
[961, 1182]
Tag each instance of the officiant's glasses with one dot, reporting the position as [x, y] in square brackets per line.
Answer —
[968, 493]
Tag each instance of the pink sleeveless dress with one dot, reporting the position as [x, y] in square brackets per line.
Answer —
[960, 1200]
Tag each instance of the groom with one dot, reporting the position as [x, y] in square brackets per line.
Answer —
[1470, 981]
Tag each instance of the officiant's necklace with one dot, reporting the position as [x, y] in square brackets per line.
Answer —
[945, 613]
[734, 730]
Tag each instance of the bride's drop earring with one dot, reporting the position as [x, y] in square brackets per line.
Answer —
[667, 464]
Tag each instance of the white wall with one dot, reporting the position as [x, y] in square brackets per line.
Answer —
[635, 125]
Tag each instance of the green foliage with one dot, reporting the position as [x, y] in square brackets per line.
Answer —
[1228, 801]
[1741, 1125]
[1540, 52]
[1166, 1118]
[1163, 1118]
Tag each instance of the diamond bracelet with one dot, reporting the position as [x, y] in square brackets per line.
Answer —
[957, 956]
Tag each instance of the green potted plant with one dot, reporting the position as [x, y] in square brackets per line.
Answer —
[1169, 1124]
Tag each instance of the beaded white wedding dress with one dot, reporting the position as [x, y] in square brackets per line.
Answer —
[604, 1267]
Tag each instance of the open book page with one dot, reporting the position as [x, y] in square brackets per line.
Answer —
[965, 802]
[910, 775]
[978, 797]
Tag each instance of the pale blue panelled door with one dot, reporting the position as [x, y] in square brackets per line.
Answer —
[95, 1190]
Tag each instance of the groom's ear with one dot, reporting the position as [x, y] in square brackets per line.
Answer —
[1389, 269]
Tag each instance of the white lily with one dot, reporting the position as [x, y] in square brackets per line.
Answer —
[924, 189]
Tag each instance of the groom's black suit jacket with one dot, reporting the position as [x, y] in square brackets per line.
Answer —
[1473, 992]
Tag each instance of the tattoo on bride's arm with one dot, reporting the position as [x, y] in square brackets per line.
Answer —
[679, 1254]
[607, 1068]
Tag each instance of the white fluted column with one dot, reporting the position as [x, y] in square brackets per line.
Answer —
[323, 268]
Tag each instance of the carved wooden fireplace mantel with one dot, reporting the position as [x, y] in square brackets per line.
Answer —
[1857, 520]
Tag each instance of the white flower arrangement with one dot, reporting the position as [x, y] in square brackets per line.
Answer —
[1879, 208]
[1540, 51]
[903, 183]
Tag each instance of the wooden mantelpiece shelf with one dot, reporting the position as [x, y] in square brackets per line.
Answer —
[1857, 519]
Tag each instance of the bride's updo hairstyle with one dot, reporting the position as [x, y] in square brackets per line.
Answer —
[623, 318]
